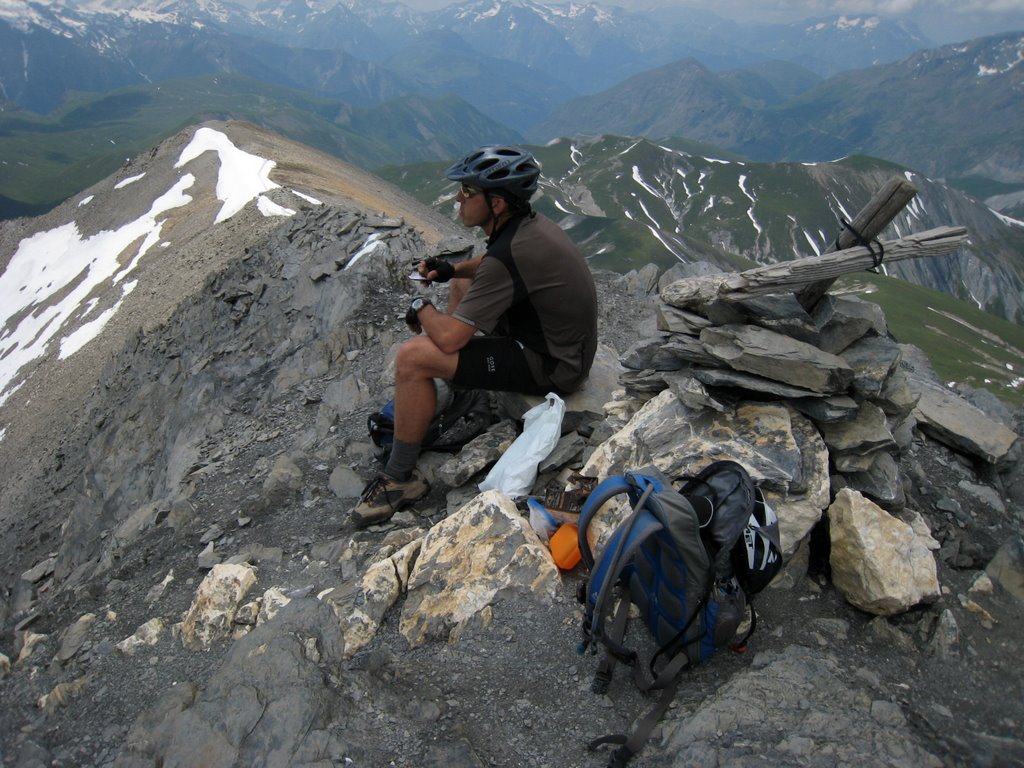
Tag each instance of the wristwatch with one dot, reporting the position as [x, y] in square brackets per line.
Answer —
[419, 303]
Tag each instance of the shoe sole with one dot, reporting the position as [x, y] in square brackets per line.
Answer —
[366, 523]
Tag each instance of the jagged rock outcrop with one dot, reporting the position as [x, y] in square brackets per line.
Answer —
[960, 425]
[803, 684]
[217, 601]
[841, 358]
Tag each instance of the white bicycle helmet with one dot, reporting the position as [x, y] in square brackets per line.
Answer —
[760, 558]
[498, 168]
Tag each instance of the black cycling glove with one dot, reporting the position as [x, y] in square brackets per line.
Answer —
[445, 269]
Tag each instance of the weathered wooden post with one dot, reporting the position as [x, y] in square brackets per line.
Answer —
[856, 248]
[868, 224]
[700, 293]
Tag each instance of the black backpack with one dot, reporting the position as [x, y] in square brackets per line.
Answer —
[743, 523]
[468, 414]
[688, 559]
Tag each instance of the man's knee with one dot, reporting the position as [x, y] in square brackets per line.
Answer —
[408, 354]
[417, 358]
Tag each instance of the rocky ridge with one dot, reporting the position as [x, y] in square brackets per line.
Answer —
[204, 601]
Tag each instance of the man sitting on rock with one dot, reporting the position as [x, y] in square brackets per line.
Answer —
[520, 318]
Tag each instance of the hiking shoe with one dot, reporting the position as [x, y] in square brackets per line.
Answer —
[384, 496]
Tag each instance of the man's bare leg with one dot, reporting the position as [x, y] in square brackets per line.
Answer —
[418, 363]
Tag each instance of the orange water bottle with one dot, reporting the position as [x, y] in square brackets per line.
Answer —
[565, 547]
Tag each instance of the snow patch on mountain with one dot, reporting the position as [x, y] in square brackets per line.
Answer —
[1011, 59]
[846, 23]
[242, 176]
[130, 180]
[753, 202]
[20, 15]
[53, 286]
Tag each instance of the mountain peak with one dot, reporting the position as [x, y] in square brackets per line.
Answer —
[75, 274]
[846, 23]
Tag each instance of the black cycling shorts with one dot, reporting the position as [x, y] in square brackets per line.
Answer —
[498, 364]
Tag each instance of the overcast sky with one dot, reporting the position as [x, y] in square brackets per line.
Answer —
[942, 20]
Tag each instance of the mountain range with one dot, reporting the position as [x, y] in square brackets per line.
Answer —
[363, 53]
[922, 111]
[565, 70]
[56, 47]
[630, 202]
[383, 86]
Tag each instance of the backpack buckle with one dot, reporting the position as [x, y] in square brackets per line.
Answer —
[602, 680]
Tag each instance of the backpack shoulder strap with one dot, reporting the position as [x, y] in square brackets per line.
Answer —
[632, 483]
[624, 542]
[605, 572]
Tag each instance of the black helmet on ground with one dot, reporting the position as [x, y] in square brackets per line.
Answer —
[502, 169]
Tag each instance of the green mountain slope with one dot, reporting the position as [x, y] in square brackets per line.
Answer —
[951, 111]
[47, 159]
[630, 202]
[964, 344]
[633, 202]
[683, 98]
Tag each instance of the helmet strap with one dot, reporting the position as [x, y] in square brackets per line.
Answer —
[498, 221]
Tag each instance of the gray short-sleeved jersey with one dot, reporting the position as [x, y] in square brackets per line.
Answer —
[535, 286]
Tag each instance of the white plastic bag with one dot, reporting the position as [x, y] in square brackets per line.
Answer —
[516, 470]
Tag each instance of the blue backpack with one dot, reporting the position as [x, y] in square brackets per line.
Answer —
[688, 559]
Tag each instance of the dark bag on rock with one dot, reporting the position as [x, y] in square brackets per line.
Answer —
[743, 526]
[468, 414]
[682, 557]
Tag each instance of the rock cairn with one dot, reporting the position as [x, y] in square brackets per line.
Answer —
[821, 407]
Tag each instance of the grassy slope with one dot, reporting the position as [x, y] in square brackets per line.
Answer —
[91, 136]
[963, 343]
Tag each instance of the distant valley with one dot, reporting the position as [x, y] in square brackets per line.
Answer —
[83, 85]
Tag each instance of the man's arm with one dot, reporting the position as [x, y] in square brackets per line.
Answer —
[450, 335]
[459, 279]
[463, 269]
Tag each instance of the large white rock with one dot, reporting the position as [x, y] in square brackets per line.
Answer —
[878, 562]
[212, 613]
[378, 589]
[146, 635]
[467, 562]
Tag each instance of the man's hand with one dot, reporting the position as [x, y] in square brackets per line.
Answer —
[412, 318]
[413, 321]
[436, 270]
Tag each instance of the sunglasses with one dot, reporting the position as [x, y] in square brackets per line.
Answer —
[467, 191]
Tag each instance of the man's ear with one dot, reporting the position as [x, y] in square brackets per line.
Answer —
[499, 205]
